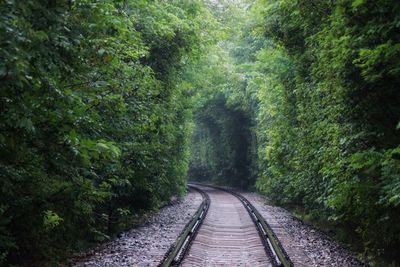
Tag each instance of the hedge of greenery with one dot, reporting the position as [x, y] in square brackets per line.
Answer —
[94, 118]
[332, 135]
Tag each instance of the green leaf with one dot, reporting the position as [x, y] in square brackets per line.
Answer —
[357, 3]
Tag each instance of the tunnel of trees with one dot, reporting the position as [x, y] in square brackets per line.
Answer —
[109, 107]
[221, 146]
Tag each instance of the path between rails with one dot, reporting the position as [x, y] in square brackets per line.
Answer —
[228, 236]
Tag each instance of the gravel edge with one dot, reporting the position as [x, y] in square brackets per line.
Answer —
[322, 250]
[147, 244]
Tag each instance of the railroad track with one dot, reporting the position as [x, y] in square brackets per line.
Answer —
[226, 231]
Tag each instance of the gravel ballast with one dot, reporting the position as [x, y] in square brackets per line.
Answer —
[147, 244]
[321, 250]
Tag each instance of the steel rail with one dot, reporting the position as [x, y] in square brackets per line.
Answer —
[176, 253]
[270, 241]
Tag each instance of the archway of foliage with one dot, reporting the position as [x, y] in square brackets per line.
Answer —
[298, 98]
[221, 145]
[223, 148]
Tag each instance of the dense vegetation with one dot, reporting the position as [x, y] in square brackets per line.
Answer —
[297, 98]
[332, 141]
[94, 118]
[223, 147]
[317, 83]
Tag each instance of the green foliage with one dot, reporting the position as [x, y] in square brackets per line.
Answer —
[317, 83]
[94, 119]
[222, 145]
[328, 113]
[97, 100]
[51, 220]
[221, 151]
